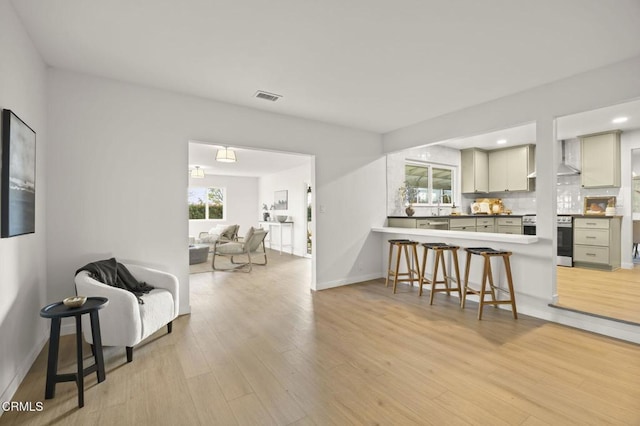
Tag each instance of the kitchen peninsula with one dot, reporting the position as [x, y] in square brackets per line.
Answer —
[526, 254]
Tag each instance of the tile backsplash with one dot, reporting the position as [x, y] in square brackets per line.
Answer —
[571, 195]
[517, 202]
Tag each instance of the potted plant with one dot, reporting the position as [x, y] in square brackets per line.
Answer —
[265, 214]
[407, 195]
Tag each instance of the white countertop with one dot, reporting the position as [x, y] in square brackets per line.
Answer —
[460, 235]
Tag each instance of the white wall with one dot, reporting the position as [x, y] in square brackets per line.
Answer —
[118, 162]
[241, 202]
[292, 180]
[602, 87]
[23, 258]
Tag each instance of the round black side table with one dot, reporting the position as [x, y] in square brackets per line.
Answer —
[57, 311]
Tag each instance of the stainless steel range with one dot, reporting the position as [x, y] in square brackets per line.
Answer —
[565, 237]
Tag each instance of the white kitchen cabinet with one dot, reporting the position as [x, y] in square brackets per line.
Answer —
[509, 168]
[596, 242]
[474, 171]
[600, 160]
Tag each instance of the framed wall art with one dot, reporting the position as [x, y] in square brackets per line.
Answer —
[281, 200]
[18, 172]
[598, 205]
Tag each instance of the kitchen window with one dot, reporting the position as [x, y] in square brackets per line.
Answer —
[433, 183]
[207, 203]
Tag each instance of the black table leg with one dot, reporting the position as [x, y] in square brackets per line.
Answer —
[97, 345]
[80, 378]
[52, 363]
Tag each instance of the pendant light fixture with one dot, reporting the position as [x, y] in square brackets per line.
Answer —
[197, 173]
[226, 155]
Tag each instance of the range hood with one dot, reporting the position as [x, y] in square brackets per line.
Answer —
[563, 168]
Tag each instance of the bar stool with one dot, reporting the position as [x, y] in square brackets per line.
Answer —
[438, 258]
[487, 276]
[403, 245]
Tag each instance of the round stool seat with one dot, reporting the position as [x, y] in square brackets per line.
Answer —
[399, 241]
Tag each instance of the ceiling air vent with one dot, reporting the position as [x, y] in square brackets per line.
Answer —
[260, 94]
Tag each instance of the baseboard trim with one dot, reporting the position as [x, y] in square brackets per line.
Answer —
[24, 368]
[347, 281]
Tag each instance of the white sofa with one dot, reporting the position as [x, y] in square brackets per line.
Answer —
[124, 321]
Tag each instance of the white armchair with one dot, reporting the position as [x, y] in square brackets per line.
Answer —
[124, 321]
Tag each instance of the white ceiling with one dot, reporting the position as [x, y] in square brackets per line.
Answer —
[251, 162]
[370, 64]
[599, 120]
[513, 136]
[567, 127]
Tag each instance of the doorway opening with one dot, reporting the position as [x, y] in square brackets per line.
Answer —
[261, 189]
[608, 283]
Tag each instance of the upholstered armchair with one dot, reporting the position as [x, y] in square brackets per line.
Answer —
[124, 321]
[251, 245]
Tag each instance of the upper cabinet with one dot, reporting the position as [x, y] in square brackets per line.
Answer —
[509, 168]
[474, 171]
[600, 160]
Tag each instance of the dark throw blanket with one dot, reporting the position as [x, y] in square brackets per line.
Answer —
[115, 274]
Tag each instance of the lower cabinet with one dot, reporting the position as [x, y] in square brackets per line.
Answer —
[466, 224]
[395, 222]
[501, 225]
[485, 224]
[509, 225]
[596, 242]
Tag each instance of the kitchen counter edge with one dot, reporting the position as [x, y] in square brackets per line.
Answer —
[459, 235]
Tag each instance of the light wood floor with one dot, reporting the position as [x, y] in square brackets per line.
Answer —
[261, 349]
[611, 294]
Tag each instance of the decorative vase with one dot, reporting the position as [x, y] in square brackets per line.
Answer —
[610, 211]
[409, 210]
[265, 216]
